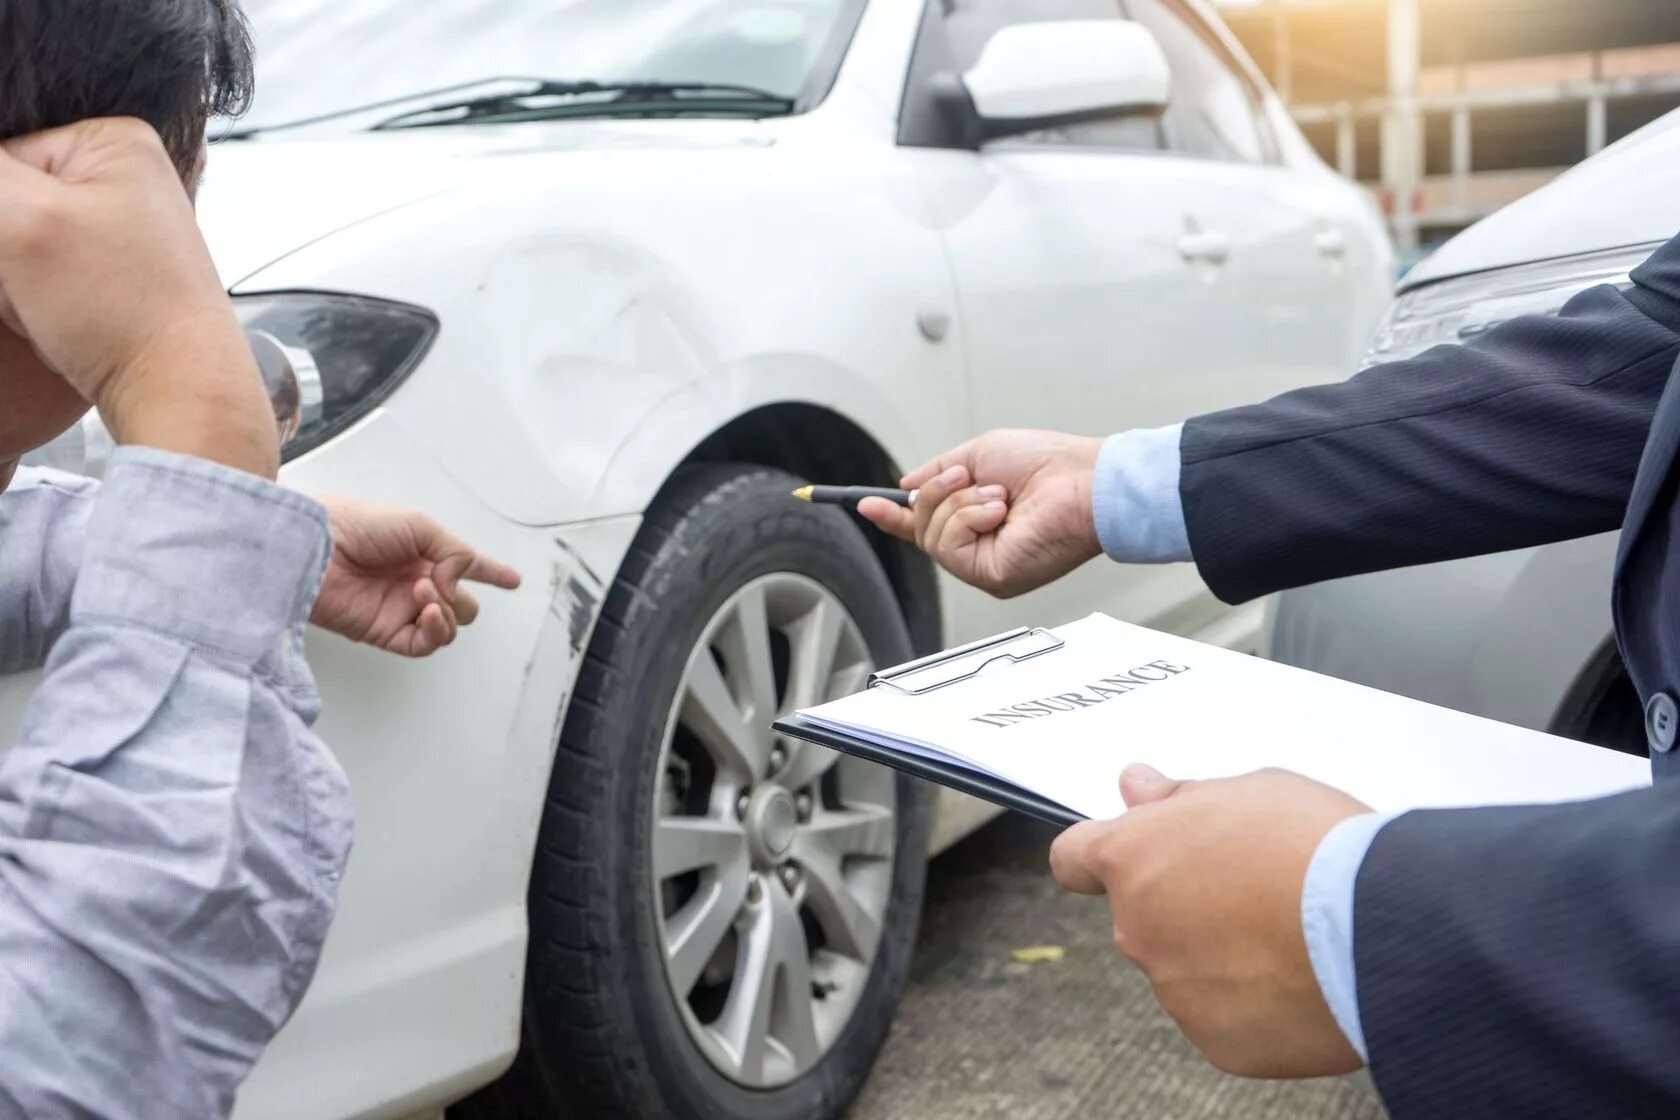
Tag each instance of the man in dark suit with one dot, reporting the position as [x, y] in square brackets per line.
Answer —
[1487, 962]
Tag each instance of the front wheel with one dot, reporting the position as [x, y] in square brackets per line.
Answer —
[721, 919]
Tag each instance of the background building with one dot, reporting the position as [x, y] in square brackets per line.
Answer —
[1450, 109]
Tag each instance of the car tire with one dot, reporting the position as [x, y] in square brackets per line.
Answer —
[606, 1030]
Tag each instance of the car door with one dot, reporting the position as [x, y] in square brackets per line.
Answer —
[1266, 237]
[1127, 273]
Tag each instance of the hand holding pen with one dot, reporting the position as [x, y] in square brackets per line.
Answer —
[1007, 512]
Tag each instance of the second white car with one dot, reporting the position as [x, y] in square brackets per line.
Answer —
[1525, 636]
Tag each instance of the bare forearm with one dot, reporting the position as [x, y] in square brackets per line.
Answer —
[199, 394]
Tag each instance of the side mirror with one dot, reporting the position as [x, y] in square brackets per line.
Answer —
[1039, 75]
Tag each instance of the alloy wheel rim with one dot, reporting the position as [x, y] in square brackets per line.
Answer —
[772, 859]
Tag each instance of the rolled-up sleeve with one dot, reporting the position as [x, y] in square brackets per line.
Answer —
[171, 832]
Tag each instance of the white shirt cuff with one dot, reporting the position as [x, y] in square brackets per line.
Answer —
[1327, 917]
[1134, 497]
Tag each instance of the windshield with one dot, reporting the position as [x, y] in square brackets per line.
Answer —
[316, 57]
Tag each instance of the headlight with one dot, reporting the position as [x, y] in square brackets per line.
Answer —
[1460, 309]
[347, 355]
[327, 361]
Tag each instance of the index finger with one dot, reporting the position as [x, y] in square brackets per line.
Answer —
[466, 563]
[455, 559]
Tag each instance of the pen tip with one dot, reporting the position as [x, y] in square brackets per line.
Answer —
[803, 493]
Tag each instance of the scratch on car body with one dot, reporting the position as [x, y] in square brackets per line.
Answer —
[575, 593]
[578, 559]
[583, 612]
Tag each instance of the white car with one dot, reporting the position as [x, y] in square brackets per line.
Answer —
[1522, 636]
[600, 325]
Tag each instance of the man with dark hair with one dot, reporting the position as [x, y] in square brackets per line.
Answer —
[172, 63]
[171, 833]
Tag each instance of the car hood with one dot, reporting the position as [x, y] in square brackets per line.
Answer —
[1622, 196]
[266, 197]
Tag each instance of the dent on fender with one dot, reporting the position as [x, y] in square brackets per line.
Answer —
[591, 334]
[565, 346]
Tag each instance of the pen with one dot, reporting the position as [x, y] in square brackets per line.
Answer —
[852, 495]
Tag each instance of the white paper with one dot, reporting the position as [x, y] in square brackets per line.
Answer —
[1096, 706]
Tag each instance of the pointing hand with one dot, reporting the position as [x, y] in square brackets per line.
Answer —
[394, 579]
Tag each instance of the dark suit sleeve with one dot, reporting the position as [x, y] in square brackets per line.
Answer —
[1528, 435]
[1522, 961]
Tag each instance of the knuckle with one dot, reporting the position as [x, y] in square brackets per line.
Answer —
[134, 133]
[140, 142]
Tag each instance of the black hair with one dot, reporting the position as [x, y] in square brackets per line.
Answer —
[172, 63]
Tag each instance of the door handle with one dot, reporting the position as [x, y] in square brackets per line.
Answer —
[1210, 247]
[1332, 243]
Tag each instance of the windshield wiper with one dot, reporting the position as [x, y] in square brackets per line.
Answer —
[627, 98]
[425, 96]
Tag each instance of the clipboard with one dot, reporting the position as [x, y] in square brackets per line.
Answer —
[1049, 735]
[929, 674]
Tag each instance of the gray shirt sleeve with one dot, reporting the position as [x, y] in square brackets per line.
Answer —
[43, 521]
[171, 832]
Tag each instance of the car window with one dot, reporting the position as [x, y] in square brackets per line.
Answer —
[970, 23]
[1215, 110]
[376, 52]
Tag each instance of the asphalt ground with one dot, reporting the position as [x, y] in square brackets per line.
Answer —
[981, 1035]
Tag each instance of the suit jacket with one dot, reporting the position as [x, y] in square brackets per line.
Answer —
[1514, 961]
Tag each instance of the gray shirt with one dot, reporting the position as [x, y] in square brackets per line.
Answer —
[171, 832]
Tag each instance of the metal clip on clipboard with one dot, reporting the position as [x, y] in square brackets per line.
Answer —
[1021, 644]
